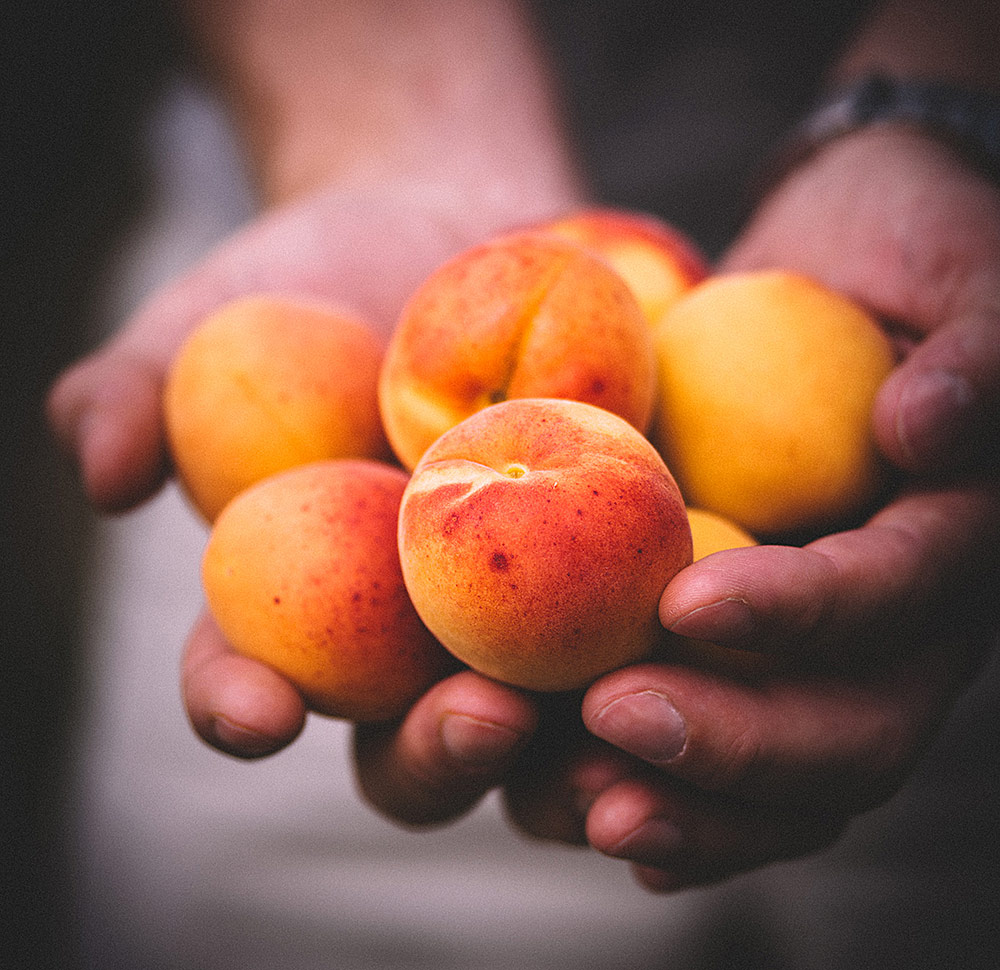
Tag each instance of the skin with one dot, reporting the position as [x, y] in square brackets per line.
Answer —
[743, 774]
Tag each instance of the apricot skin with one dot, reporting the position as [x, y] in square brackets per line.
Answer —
[536, 538]
[711, 532]
[767, 381]
[265, 384]
[301, 572]
[659, 262]
[519, 316]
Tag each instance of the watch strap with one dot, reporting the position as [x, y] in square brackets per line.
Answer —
[967, 119]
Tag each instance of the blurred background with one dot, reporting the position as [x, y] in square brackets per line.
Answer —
[75, 83]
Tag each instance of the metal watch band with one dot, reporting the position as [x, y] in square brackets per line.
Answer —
[968, 120]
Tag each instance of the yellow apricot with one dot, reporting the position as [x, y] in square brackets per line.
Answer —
[711, 532]
[766, 386]
[267, 383]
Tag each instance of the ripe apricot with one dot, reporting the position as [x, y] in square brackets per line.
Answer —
[659, 262]
[766, 386]
[267, 383]
[519, 316]
[301, 572]
[536, 538]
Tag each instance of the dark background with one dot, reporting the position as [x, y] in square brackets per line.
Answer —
[75, 80]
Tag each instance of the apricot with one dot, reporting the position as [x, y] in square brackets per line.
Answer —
[711, 532]
[523, 315]
[657, 260]
[301, 572]
[766, 386]
[536, 538]
[265, 384]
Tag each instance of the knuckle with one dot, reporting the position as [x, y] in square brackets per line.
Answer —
[735, 764]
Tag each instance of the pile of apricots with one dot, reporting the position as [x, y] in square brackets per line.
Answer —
[564, 418]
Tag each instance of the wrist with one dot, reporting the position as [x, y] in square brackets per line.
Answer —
[453, 96]
[965, 119]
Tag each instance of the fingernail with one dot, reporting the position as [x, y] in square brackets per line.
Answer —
[932, 410]
[477, 743]
[238, 739]
[644, 724]
[723, 621]
[652, 840]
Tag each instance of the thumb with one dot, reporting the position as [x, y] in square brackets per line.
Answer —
[106, 410]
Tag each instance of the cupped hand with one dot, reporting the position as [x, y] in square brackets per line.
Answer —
[364, 252]
[866, 636]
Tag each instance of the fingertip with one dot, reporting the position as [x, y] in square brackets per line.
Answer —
[235, 704]
[630, 821]
[453, 746]
[251, 711]
[484, 699]
[711, 600]
[658, 880]
[480, 725]
[105, 413]
[477, 742]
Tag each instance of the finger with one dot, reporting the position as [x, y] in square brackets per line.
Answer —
[105, 413]
[858, 216]
[235, 704]
[559, 776]
[782, 742]
[362, 255]
[106, 410]
[919, 566]
[454, 745]
[940, 408]
[677, 838]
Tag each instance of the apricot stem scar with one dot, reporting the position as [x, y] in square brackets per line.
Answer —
[515, 470]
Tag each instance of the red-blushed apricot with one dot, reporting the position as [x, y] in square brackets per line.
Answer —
[658, 261]
[767, 382]
[523, 315]
[267, 383]
[536, 538]
[301, 571]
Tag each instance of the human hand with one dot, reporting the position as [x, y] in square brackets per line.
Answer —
[365, 252]
[869, 634]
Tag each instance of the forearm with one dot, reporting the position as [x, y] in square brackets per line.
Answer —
[949, 40]
[454, 93]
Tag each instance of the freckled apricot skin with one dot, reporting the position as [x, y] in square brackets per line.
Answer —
[658, 261]
[267, 383]
[536, 538]
[766, 386]
[301, 572]
[523, 315]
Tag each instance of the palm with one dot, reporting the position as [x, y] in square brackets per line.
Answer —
[362, 252]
